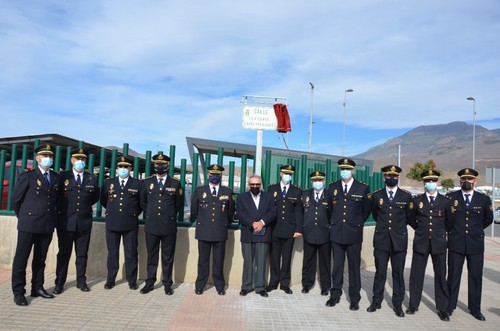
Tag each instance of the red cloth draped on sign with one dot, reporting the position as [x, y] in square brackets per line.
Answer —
[283, 118]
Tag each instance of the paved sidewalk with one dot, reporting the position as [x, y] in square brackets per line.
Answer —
[124, 309]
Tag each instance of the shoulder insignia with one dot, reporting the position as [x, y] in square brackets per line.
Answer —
[402, 189]
[380, 189]
[369, 196]
[491, 207]
[411, 205]
[420, 205]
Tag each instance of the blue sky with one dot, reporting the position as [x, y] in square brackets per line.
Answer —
[151, 73]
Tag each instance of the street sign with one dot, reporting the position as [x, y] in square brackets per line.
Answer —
[256, 117]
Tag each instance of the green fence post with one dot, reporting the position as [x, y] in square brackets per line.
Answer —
[230, 182]
[328, 172]
[171, 168]
[68, 158]
[220, 156]
[125, 149]
[147, 161]
[303, 172]
[266, 178]
[208, 158]
[243, 181]
[90, 164]
[136, 167]
[3, 156]
[35, 146]
[12, 174]
[24, 157]
[112, 166]
[195, 176]
[180, 216]
[102, 170]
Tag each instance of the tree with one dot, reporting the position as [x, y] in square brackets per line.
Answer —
[415, 172]
[447, 183]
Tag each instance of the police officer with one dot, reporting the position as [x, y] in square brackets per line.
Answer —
[431, 221]
[34, 200]
[316, 234]
[213, 208]
[350, 209]
[79, 192]
[471, 213]
[161, 199]
[392, 209]
[285, 229]
[121, 198]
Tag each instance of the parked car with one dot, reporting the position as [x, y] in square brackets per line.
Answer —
[496, 215]
[6, 179]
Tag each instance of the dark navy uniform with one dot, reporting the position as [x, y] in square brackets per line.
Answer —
[288, 223]
[161, 203]
[390, 241]
[74, 224]
[34, 202]
[349, 213]
[466, 241]
[213, 214]
[431, 222]
[123, 208]
[316, 235]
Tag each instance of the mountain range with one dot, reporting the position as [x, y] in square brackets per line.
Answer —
[448, 145]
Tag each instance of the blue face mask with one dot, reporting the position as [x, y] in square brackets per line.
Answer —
[430, 186]
[317, 185]
[46, 162]
[345, 174]
[214, 179]
[286, 178]
[79, 165]
[123, 172]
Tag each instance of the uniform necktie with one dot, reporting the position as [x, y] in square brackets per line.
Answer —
[317, 197]
[432, 200]
[46, 178]
[161, 184]
[284, 191]
[391, 196]
[123, 184]
[467, 201]
[78, 180]
[214, 192]
[345, 189]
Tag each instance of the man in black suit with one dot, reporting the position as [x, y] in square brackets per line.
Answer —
[79, 192]
[161, 200]
[392, 209]
[34, 201]
[213, 208]
[350, 209]
[121, 198]
[287, 227]
[316, 233]
[256, 212]
[431, 221]
[471, 213]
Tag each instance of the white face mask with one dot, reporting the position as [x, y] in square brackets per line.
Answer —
[286, 178]
[345, 174]
[79, 165]
[46, 162]
[123, 172]
[430, 186]
[317, 185]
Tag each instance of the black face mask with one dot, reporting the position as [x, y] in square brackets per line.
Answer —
[466, 186]
[255, 190]
[160, 170]
[392, 182]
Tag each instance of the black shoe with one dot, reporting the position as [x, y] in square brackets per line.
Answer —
[262, 293]
[286, 289]
[168, 290]
[354, 306]
[147, 288]
[221, 292]
[373, 307]
[245, 292]
[443, 316]
[477, 315]
[83, 287]
[305, 289]
[41, 293]
[411, 311]
[325, 292]
[271, 288]
[58, 289]
[199, 292]
[20, 300]
[399, 311]
[133, 286]
[332, 302]
[109, 286]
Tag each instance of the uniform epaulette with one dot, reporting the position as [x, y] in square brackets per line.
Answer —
[447, 197]
[26, 169]
[481, 193]
[449, 193]
[300, 188]
[380, 189]
[418, 195]
[402, 189]
[175, 179]
[149, 177]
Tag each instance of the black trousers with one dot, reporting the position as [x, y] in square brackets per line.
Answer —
[26, 241]
[353, 253]
[312, 253]
[66, 240]
[113, 239]
[254, 266]
[475, 279]
[281, 259]
[167, 243]
[219, 251]
[398, 283]
[417, 275]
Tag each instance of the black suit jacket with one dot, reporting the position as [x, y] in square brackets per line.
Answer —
[212, 214]
[74, 208]
[288, 211]
[466, 235]
[247, 213]
[391, 219]
[316, 217]
[349, 212]
[34, 202]
[161, 205]
[123, 207]
[431, 224]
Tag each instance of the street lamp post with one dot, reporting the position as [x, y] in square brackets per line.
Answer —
[473, 131]
[311, 119]
[343, 130]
